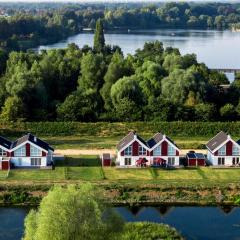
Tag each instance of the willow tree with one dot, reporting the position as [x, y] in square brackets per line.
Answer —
[99, 40]
[72, 213]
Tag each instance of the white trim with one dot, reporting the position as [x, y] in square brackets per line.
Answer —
[169, 142]
[31, 143]
[134, 139]
[4, 148]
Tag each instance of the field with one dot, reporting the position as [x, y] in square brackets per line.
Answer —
[77, 135]
[88, 168]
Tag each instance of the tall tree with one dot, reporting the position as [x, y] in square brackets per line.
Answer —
[99, 40]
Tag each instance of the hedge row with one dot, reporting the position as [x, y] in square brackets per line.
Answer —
[119, 129]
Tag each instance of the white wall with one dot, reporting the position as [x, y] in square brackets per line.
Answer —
[26, 161]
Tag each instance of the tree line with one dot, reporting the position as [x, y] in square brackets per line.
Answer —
[30, 25]
[100, 84]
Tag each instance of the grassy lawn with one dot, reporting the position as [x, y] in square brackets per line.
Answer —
[85, 173]
[37, 174]
[112, 173]
[88, 168]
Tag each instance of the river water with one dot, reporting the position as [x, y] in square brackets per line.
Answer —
[218, 49]
[208, 223]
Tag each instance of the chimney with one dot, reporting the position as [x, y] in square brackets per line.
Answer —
[35, 139]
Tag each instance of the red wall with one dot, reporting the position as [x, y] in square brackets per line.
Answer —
[5, 165]
[135, 148]
[192, 162]
[177, 153]
[164, 148]
[229, 147]
[44, 154]
[216, 153]
[27, 149]
[201, 162]
[8, 154]
[106, 162]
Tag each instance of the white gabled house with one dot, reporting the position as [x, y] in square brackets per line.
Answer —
[223, 150]
[132, 150]
[27, 151]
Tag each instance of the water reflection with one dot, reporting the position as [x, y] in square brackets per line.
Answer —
[193, 222]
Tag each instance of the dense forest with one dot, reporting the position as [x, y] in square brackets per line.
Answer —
[24, 26]
[100, 84]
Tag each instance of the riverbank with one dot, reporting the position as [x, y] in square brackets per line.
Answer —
[130, 194]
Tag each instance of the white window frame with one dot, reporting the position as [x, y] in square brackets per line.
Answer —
[20, 152]
[157, 151]
[34, 151]
[222, 151]
[171, 150]
[141, 150]
[171, 161]
[127, 161]
[36, 161]
[235, 150]
[3, 153]
[128, 151]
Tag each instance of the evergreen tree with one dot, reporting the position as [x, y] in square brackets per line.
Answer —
[99, 40]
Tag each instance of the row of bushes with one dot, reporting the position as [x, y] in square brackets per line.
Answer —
[191, 129]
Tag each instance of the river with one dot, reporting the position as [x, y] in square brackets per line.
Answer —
[208, 223]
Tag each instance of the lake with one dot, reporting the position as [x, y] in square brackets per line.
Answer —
[218, 49]
[193, 222]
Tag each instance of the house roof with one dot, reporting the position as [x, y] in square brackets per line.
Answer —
[31, 138]
[217, 141]
[192, 155]
[127, 139]
[5, 143]
[158, 137]
[155, 139]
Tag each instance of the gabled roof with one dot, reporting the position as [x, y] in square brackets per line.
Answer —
[217, 141]
[158, 137]
[155, 139]
[31, 138]
[5, 143]
[129, 138]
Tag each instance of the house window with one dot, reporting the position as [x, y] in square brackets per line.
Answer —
[35, 151]
[171, 150]
[222, 151]
[128, 151]
[3, 153]
[171, 161]
[221, 161]
[35, 161]
[235, 150]
[141, 150]
[127, 161]
[235, 161]
[20, 152]
[157, 151]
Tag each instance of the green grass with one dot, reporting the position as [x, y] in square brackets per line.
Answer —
[84, 173]
[37, 174]
[76, 160]
[112, 173]
[88, 168]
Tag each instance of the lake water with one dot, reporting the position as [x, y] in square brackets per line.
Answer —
[218, 49]
[193, 222]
